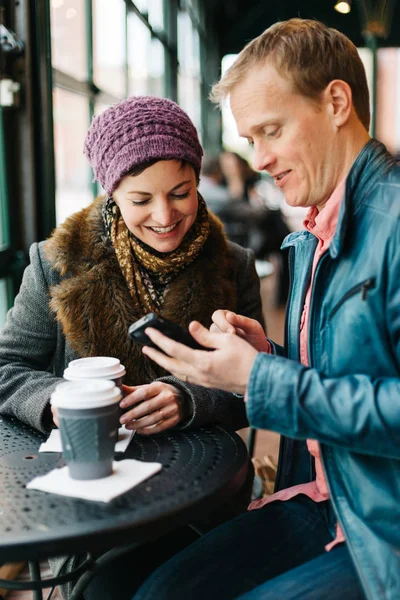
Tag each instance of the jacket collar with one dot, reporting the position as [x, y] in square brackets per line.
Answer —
[372, 162]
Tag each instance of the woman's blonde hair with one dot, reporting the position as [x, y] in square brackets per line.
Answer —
[309, 55]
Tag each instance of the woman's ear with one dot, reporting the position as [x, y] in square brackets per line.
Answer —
[339, 97]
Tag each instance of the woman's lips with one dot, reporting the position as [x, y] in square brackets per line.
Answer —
[168, 231]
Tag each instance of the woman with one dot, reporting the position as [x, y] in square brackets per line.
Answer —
[151, 245]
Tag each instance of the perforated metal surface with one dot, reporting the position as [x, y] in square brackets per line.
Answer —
[201, 469]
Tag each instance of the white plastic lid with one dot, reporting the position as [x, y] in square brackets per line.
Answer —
[89, 393]
[94, 367]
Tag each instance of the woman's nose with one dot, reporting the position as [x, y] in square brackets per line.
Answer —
[163, 212]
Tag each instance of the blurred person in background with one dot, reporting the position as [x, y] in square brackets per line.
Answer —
[237, 215]
[239, 177]
[263, 222]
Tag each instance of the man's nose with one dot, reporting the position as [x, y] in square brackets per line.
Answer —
[264, 158]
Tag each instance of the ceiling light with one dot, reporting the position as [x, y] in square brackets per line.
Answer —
[343, 6]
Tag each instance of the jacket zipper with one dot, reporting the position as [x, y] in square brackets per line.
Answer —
[309, 346]
[364, 286]
[282, 445]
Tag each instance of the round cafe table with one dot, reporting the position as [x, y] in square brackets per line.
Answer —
[202, 469]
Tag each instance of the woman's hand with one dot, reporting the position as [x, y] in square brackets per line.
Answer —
[156, 407]
[248, 329]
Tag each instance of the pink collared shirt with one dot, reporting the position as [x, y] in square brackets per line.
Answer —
[323, 225]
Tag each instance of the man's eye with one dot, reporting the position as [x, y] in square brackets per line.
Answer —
[272, 133]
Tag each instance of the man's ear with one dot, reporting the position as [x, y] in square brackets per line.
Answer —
[340, 100]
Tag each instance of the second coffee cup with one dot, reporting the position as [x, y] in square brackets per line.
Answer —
[96, 367]
[88, 414]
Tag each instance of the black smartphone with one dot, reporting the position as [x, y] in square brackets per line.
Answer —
[168, 328]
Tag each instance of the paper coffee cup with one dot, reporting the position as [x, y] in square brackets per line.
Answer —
[96, 367]
[88, 414]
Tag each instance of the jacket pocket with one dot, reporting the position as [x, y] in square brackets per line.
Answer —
[361, 288]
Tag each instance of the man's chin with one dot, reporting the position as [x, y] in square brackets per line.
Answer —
[294, 201]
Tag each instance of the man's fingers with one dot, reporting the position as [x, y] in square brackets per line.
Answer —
[221, 321]
[205, 337]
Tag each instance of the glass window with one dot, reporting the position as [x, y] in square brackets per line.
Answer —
[73, 174]
[4, 299]
[189, 98]
[157, 68]
[156, 15]
[142, 5]
[139, 43]
[185, 31]
[189, 95]
[3, 190]
[109, 45]
[68, 37]
[387, 99]
[99, 108]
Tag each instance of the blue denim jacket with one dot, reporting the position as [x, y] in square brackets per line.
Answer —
[349, 398]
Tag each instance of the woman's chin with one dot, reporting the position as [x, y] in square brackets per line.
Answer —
[164, 245]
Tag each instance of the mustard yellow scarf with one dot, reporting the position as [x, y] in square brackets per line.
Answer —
[146, 271]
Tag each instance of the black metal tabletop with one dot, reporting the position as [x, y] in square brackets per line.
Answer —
[201, 470]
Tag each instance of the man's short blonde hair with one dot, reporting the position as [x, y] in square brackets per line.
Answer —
[309, 55]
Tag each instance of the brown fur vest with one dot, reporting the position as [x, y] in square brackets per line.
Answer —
[92, 302]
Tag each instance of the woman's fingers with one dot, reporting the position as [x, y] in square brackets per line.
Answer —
[139, 394]
[158, 427]
[152, 404]
[153, 418]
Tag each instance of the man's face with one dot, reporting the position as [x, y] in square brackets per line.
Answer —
[295, 138]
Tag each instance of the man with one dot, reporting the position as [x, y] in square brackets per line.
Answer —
[299, 95]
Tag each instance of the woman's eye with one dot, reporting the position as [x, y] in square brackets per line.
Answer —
[180, 196]
[251, 143]
[140, 202]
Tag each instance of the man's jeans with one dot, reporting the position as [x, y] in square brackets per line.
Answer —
[264, 545]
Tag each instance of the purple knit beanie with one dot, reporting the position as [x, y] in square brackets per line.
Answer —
[136, 131]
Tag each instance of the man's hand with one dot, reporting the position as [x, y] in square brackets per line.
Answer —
[156, 407]
[227, 367]
[248, 329]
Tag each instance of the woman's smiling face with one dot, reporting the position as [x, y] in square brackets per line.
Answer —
[159, 206]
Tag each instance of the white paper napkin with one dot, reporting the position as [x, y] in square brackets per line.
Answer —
[53, 442]
[126, 475]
